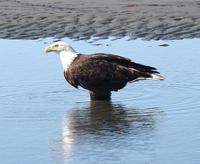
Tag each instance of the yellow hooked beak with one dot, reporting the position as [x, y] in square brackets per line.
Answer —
[49, 49]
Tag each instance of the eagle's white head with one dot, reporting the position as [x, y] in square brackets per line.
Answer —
[66, 52]
[58, 47]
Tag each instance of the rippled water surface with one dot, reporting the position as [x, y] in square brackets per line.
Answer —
[44, 120]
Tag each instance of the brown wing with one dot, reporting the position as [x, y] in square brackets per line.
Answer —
[124, 62]
[111, 58]
[99, 73]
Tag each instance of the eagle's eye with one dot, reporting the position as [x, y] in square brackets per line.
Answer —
[56, 45]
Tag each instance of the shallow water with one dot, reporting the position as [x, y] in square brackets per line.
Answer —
[45, 120]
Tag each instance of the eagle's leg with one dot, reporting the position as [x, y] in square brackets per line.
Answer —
[100, 95]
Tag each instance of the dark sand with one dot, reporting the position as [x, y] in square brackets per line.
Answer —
[83, 19]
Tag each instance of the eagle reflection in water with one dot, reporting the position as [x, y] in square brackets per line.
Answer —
[103, 121]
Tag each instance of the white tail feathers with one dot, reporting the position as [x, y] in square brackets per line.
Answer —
[156, 77]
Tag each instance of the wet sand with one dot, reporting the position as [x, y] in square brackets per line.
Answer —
[83, 19]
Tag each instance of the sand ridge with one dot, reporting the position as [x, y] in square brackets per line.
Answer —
[83, 19]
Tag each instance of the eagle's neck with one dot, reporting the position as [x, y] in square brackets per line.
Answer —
[67, 57]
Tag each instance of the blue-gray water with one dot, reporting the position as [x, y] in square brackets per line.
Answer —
[44, 120]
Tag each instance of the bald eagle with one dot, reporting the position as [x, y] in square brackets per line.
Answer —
[100, 73]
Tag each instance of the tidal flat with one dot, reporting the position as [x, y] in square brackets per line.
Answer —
[85, 19]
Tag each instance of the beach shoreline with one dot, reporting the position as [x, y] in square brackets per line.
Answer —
[85, 19]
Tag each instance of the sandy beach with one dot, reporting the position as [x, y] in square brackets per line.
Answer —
[83, 19]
